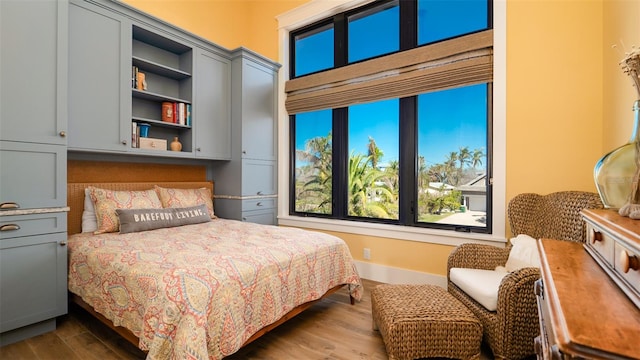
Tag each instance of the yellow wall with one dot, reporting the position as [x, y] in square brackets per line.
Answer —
[622, 29]
[567, 100]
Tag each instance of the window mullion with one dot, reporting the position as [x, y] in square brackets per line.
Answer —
[408, 25]
[340, 159]
[340, 40]
[408, 161]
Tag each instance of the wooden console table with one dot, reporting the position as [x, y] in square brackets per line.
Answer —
[583, 313]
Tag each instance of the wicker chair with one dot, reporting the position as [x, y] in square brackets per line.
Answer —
[510, 330]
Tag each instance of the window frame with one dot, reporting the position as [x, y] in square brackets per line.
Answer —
[311, 13]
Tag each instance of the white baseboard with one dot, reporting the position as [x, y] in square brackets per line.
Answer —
[392, 275]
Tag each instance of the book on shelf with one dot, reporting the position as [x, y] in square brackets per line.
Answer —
[167, 112]
[176, 112]
[182, 113]
[134, 134]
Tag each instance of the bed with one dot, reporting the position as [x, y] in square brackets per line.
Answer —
[203, 290]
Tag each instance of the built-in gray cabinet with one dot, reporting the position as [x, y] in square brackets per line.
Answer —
[246, 186]
[99, 77]
[33, 163]
[128, 68]
[213, 115]
[33, 69]
[32, 175]
[33, 274]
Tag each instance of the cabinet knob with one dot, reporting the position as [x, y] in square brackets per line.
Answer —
[9, 206]
[124, 142]
[244, 152]
[628, 261]
[244, 219]
[9, 227]
[198, 149]
[595, 236]
[63, 243]
[63, 133]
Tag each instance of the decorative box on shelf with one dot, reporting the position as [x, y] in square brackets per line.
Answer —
[153, 144]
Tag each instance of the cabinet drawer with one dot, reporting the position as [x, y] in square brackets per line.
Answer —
[265, 217]
[34, 224]
[601, 243]
[258, 177]
[22, 166]
[627, 265]
[258, 204]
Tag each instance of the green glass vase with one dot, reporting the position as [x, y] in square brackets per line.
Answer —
[614, 172]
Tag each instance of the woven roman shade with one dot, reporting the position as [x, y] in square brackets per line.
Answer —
[466, 60]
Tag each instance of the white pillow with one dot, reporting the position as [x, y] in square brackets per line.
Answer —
[524, 253]
[89, 221]
[481, 285]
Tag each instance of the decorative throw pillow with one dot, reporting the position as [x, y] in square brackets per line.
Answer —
[106, 202]
[134, 220]
[89, 222]
[177, 198]
[524, 253]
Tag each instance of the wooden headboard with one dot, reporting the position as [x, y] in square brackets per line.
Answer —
[75, 196]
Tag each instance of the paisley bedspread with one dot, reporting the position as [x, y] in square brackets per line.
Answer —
[200, 291]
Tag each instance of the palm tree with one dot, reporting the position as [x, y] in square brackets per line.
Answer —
[314, 182]
[464, 156]
[374, 152]
[367, 193]
[476, 158]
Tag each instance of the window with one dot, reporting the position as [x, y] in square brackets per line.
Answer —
[374, 32]
[397, 129]
[313, 162]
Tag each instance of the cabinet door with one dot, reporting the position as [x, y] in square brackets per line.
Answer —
[99, 79]
[33, 279]
[258, 111]
[258, 177]
[33, 69]
[33, 175]
[211, 107]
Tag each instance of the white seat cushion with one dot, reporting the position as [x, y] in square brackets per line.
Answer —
[481, 285]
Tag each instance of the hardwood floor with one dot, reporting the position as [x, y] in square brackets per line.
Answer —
[331, 329]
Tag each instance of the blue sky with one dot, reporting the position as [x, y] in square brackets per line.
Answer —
[448, 119]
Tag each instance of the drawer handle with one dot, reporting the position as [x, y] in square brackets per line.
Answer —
[628, 261]
[259, 204]
[244, 219]
[259, 193]
[595, 236]
[9, 206]
[9, 227]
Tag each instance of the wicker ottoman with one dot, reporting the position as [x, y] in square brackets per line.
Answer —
[418, 321]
